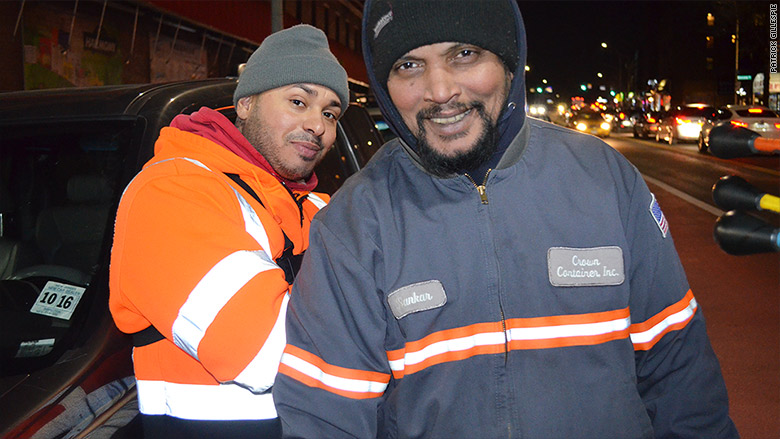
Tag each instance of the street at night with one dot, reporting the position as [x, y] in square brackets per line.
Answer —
[739, 295]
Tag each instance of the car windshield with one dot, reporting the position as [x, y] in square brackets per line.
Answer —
[58, 187]
[756, 112]
[589, 115]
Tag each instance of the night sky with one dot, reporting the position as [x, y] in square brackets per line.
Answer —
[564, 39]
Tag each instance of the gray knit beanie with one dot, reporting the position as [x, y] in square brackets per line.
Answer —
[299, 54]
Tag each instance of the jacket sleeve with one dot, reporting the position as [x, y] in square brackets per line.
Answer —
[678, 374]
[335, 370]
[190, 261]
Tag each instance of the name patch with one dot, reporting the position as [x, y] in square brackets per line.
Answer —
[416, 297]
[580, 267]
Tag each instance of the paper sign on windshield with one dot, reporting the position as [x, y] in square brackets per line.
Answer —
[58, 300]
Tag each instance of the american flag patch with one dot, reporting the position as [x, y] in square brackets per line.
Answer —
[658, 216]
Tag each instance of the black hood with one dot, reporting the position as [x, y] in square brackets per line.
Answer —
[511, 119]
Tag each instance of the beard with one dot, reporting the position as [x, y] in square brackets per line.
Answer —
[442, 165]
[260, 137]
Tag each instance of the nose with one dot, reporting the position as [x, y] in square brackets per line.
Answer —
[441, 85]
[313, 122]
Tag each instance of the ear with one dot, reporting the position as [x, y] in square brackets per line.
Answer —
[244, 106]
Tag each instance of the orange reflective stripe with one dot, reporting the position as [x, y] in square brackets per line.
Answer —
[314, 372]
[646, 334]
[521, 333]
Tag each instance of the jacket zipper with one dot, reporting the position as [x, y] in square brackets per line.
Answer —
[482, 189]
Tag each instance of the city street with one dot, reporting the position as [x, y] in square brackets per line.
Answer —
[739, 295]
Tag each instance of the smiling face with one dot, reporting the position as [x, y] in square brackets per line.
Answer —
[291, 126]
[450, 96]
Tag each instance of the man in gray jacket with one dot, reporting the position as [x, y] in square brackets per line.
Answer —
[489, 275]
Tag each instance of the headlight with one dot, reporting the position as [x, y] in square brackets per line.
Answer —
[604, 126]
[582, 127]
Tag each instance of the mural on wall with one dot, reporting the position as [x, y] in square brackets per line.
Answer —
[55, 58]
[173, 60]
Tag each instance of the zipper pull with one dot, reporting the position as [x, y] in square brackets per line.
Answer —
[481, 188]
[482, 193]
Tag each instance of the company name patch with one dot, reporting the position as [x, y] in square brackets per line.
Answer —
[576, 267]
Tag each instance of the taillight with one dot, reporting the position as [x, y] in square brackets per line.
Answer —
[754, 110]
[681, 121]
[777, 125]
[650, 120]
[737, 123]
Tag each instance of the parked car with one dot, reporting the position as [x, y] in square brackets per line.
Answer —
[756, 118]
[646, 124]
[683, 124]
[588, 120]
[65, 157]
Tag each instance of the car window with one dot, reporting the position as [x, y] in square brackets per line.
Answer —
[756, 112]
[335, 167]
[59, 186]
[697, 112]
[723, 113]
[362, 133]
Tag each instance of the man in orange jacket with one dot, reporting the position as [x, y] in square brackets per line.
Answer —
[208, 236]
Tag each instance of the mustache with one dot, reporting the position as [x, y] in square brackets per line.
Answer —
[437, 110]
[305, 137]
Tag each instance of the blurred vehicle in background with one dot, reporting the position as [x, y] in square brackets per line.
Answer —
[618, 118]
[758, 119]
[539, 111]
[591, 121]
[683, 124]
[646, 124]
[622, 122]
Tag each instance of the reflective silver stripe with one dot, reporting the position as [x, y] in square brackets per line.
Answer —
[252, 224]
[316, 200]
[678, 317]
[203, 402]
[213, 291]
[260, 373]
[352, 385]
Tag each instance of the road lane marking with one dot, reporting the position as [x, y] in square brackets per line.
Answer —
[696, 202]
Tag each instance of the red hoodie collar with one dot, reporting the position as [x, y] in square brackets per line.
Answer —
[214, 126]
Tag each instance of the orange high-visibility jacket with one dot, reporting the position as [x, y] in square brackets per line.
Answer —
[194, 256]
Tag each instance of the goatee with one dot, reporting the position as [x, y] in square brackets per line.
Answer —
[445, 166]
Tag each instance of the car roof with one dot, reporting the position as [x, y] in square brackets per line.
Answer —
[149, 106]
[136, 99]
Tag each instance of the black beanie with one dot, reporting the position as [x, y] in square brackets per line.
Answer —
[395, 27]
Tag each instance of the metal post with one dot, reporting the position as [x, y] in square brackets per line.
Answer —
[72, 23]
[19, 18]
[277, 11]
[736, 64]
